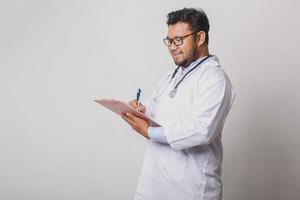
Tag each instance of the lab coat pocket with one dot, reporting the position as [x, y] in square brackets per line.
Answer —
[173, 164]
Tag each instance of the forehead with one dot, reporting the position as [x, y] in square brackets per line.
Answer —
[178, 29]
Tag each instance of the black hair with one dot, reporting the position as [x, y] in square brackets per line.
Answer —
[196, 18]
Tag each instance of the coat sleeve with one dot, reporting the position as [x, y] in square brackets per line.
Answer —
[211, 104]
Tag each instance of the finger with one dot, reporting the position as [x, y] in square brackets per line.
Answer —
[136, 120]
[128, 120]
[142, 109]
[132, 117]
[133, 103]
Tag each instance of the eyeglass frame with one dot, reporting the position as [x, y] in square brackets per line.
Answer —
[181, 39]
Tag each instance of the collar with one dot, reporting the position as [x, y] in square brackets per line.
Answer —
[191, 65]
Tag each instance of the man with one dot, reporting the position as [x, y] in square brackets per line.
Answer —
[183, 157]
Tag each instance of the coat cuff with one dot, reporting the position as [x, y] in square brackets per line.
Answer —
[156, 134]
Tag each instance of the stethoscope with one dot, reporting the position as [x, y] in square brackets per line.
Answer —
[173, 92]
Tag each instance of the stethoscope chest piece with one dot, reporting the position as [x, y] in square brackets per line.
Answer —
[173, 93]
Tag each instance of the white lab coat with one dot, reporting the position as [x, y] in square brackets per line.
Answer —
[189, 166]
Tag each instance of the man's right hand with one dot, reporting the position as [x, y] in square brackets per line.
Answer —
[134, 104]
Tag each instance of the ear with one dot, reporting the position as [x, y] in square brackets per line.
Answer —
[201, 35]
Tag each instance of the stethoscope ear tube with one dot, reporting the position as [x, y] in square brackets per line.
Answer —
[173, 92]
[175, 72]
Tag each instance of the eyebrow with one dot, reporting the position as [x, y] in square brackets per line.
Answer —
[173, 37]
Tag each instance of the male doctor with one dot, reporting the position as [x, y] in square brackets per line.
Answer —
[183, 158]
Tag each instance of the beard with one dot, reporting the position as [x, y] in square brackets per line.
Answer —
[183, 63]
[191, 56]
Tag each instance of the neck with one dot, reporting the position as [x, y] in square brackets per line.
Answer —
[202, 53]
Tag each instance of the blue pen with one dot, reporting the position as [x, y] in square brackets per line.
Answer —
[138, 95]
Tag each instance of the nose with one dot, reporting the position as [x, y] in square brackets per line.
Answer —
[173, 46]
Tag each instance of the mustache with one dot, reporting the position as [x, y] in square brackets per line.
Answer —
[176, 52]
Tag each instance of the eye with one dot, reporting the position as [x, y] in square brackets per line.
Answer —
[178, 39]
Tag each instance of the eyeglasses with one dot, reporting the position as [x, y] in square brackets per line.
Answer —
[177, 40]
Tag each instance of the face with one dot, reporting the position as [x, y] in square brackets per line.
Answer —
[186, 53]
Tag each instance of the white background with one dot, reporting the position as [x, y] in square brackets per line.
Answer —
[56, 57]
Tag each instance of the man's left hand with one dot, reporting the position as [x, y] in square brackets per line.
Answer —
[138, 124]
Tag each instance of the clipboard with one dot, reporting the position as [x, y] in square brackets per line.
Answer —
[120, 108]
